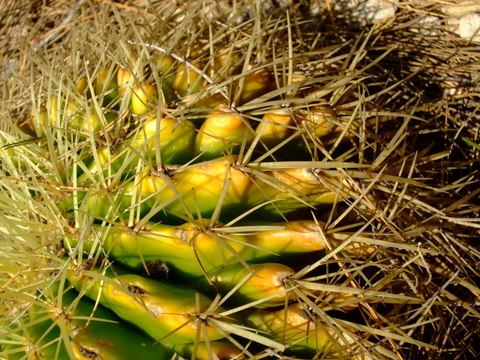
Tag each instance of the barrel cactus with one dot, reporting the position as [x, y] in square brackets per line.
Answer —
[208, 183]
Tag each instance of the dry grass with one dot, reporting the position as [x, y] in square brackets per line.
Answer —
[408, 106]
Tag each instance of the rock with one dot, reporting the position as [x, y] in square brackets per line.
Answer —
[461, 7]
[368, 11]
[469, 27]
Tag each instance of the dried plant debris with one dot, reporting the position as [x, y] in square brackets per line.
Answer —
[247, 179]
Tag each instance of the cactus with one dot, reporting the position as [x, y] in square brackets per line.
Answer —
[200, 192]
